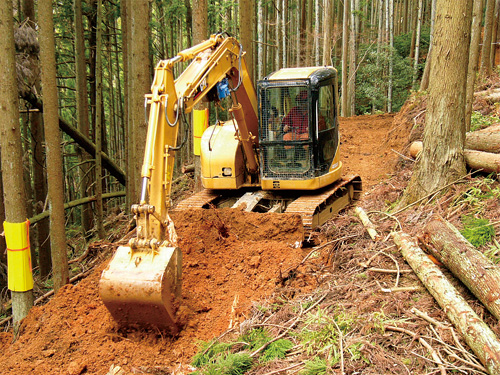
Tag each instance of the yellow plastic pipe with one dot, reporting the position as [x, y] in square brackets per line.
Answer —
[20, 276]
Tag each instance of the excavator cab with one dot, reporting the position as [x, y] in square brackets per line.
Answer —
[298, 133]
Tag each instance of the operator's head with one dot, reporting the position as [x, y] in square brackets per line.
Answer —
[301, 98]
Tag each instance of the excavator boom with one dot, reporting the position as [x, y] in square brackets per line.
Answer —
[143, 279]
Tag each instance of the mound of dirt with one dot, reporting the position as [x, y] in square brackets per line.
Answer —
[231, 258]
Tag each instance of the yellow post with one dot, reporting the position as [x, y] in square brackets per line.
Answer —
[20, 276]
[200, 124]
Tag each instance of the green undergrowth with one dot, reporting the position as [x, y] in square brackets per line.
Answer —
[318, 337]
[234, 358]
[479, 121]
[477, 231]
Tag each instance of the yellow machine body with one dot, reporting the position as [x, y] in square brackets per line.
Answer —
[142, 282]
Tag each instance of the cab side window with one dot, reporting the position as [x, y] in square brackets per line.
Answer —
[326, 108]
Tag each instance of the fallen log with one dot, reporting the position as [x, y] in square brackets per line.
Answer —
[475, 332]
[370, 227]
[491, 95]
[470, 266]
[477, 160]
[487, 141]
[75, 203]
[82, 141]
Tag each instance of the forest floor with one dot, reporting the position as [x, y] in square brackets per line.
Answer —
[256, 276]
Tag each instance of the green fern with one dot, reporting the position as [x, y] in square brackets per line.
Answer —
[477, 231]
[208, 352]
[317, 366]
[276, 350]
[229, 364]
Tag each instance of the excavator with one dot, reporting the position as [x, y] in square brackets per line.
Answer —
[277, 152]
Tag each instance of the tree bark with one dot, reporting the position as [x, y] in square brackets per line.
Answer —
[82, 110]
[200, 33]
[41, 232]
[442, 158]
[475, 332]
[485, 69]
[344, 109]
[477, 16]
[424, 84]
[327, 35]
[53, 141]
[10, 143]
[99, 124]
[140, 84]
[246, 31]
[477, 160]
[487, 141]
[470, 266]
[417, 44]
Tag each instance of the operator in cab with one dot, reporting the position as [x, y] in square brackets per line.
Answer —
[295, 123]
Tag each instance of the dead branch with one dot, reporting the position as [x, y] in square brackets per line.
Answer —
[475, 332]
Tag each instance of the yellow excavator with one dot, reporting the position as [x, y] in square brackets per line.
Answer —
[278, 152]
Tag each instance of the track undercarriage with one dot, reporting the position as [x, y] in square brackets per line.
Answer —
[315, 208]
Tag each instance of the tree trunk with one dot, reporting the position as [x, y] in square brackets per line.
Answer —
[424, 84]
[485, 69]
[442, 158]
[10, 144]
[494, 34]
[391, 58]
[140, 84]
[475, 332]
[200, 33]
[327, 35]
[260, 39]
[41, 233]
[477, 16]
[414, 29]
[99, 124]
[417, 44]
[478, 160]
[353, 35]
[316, 29]
[344, 109]
[246, 31]
[53, 141]
[470, 266]
[82, 111]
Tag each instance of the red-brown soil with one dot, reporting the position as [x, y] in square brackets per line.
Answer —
[230, 260]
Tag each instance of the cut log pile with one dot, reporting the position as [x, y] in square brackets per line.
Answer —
[482, 149]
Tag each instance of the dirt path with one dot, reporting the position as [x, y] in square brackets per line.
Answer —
[223, 275]
[364, 147]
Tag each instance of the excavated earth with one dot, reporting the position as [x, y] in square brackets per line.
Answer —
[230, 260]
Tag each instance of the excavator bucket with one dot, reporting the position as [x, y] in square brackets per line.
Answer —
[140, 287]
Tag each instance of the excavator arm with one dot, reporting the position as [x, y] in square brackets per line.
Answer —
[143, 279]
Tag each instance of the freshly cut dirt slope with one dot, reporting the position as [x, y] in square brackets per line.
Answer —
[230, 259]
[228, 256]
